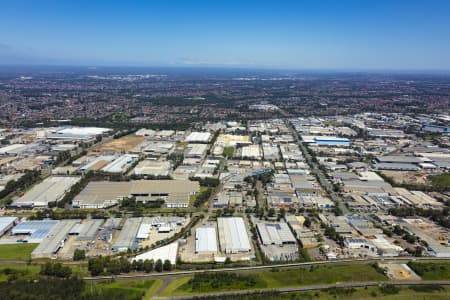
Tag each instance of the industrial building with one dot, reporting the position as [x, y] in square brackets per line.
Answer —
[121, 164]
[127, 237]
[205, 240]
[153, 168]
[233, 236]
[6, 223]
[52, 189]
[54, 240]
[326, 140]
[101, 194]
[198, 137]
[195, 150]
[35, 231]
[88, 230]
[275, 234]
[168, 252]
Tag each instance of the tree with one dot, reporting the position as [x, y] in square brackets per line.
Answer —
[95, 266]
[158, 266]
[148, 266]
[167, 266]
[79, 254]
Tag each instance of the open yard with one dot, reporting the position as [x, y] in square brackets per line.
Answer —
[123, 144]
[19, 251]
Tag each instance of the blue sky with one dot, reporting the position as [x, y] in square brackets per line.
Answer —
[340, 34]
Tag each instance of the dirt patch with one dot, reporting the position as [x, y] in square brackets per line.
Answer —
[408, 177]
[399, 272]
[121, 145]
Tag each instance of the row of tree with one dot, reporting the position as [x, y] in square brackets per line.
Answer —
[107, 265]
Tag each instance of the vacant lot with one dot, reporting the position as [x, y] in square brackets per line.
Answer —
[20, 251]
[123, 144]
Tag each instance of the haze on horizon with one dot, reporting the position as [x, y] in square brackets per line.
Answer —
[347, 34]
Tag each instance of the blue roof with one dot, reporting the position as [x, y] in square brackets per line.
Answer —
[37, 230]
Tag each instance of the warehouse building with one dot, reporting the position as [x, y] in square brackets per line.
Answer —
[101, 194]
[198, 137]
[168, 252]
[233, 236]
[275, 234]
[88, 230]
[6, 223]
[35, 231]
[127, 237]
[205, 240]
[121, 164]
[195, 150]
[52, 189]
[153, 168]
[54, 240]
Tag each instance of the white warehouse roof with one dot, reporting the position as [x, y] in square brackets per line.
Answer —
[205, 239]
[166, 252]
[233, 236]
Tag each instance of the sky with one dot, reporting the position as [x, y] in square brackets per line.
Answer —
[314, 34]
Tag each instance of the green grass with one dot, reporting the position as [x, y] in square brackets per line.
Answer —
[441, 181]
[281, 278]
[321, 275]
[405, 293]
[228, 152]
[130, 289]
[19, 251]
[25, 270]
[432, 270]
[174, 285]
[153, 289]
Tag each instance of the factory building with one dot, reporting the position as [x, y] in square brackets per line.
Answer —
[233, 236]
[127, 237]
[6, 223]
[35, 231]
[101, 194]
[275, 234]
[52, 189]
[205, 240]
[54, 240]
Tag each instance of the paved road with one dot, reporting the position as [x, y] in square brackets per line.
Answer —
[321, 287]
[324, 182]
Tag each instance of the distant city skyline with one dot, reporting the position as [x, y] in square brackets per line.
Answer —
[348, 34]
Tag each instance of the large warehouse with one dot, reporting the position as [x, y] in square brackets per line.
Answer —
[35, 231]
[6, 223]
[275, 234]
[52, 189]
[233, 236]
[127, 237]
[54, 240]
[101, 194]
[205, 240]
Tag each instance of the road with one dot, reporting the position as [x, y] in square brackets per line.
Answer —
[326, 185]
[320, 287]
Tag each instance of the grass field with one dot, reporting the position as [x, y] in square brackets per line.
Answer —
[441, 181]
[130, 289]
[25, 270]
[20, 251]
[278, 279]
[432, 270]
[404, 293]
